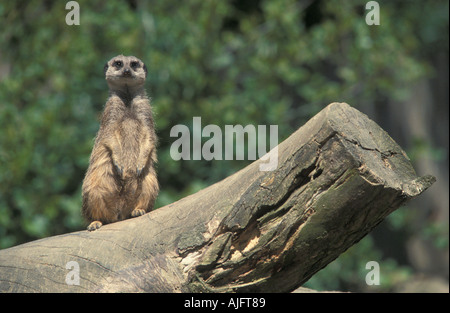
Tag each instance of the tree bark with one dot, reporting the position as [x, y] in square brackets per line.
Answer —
[337, 177]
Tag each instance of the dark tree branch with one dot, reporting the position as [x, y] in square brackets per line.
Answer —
[338, 177]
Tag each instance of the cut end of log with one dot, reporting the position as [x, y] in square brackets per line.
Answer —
[418, 185]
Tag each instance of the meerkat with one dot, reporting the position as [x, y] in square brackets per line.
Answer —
[121, 179]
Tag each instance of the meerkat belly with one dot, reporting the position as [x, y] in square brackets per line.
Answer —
[130, 143]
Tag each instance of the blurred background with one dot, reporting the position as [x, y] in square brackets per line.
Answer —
[260, 62]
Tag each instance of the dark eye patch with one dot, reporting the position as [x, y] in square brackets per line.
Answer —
[134, 64]
[118, 64]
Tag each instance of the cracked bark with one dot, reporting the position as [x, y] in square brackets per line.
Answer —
[338, 177]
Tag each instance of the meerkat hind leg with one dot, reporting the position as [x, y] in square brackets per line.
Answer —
[147, 198]
[94, 225]
[137, 212]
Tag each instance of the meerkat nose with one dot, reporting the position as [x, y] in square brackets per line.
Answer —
[126, 72]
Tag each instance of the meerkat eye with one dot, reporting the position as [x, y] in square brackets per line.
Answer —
[118, 64]
[134, 64]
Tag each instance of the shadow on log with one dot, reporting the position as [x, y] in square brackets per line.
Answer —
[337, 178]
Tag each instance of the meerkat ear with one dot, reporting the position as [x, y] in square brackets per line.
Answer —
[145, 70]
[105, 68]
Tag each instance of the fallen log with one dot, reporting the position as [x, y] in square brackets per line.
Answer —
[337, 178]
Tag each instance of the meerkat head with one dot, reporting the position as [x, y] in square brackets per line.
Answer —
[125, 72]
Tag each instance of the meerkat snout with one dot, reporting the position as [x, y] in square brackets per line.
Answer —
[126, 72]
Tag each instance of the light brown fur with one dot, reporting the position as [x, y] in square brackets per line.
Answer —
[121, 179]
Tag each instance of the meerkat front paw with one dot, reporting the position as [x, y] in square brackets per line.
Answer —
[137, 212]
[94, 225]
[139, 170]
[119, 168]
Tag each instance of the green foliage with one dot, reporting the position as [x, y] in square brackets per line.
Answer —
[231, 62]
[348, 272]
